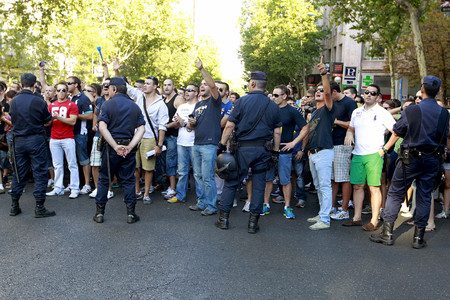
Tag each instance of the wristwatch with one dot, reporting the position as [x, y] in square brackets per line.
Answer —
[384, 150]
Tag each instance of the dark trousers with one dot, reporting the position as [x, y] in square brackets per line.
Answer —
[258, 159]
[123, 168]
[30, 151]
[424, 170]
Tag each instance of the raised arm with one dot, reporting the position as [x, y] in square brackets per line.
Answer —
[42, 76]
[208, 79]
[326, 85]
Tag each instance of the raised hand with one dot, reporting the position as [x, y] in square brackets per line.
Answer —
[116, 65]
[199, 64]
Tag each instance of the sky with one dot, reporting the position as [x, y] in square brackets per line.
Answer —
[219, 20]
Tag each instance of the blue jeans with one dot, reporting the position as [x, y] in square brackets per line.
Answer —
[300, 188]
[185, 158]
[171, 155]
[321, 166]
[81, 143]
[204, 162]
[30, 151]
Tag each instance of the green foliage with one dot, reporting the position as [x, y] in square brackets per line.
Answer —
[281, 38]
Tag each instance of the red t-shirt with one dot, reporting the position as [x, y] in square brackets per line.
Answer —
[62, 130]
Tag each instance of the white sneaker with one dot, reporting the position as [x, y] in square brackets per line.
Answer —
[55, 192]
[110, 194]
[170, 193]
[74, 194]
[234, 203]
[246, 207]
[340, 215]
[314, 219]
[441, 215]
[67, 190]
[319, 225]
[50, 182]
[85, 190]
[93, 194]
[407, 215]
[333, 210]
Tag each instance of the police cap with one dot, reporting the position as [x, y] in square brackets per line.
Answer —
[117, 81]
[432, 82]
[258, 75]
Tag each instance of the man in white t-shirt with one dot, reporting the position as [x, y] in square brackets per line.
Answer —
[367, 128]
[185, 142]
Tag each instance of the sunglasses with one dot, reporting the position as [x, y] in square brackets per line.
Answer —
[189, 90]
[70, 83]
[418, 97]
[371, 93]
[61, 90]
[277, 95]
[320, 90]
[105, 86]
[221, 90]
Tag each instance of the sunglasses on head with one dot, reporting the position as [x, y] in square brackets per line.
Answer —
[371, 93]
[70, 83]
[277, 95]
[61, 90]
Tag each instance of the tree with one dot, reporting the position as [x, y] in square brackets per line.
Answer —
[281, 38]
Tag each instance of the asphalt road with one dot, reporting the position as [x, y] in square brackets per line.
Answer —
[173, 253]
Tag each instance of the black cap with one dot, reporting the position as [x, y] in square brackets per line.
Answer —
[117, 81]
[258, 75]
[28, 79]
[432, 82]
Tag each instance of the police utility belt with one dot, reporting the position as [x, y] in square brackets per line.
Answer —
[407, 154]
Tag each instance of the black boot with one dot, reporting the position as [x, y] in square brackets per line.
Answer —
[15, 208]
[418, 241]
[132, 217]
[99, 213]
[385, 236]
[253, 223]
[222, 221]
[41, 212]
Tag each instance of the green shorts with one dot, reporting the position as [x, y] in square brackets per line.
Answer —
[366, 169]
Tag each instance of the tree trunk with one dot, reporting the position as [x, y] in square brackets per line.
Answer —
[390, 61]
[414, 20]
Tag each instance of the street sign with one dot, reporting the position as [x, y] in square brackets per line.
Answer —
[367, 80]
[350, 72]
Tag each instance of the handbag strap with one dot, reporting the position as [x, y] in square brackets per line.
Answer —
[149, 121]
[257, 122]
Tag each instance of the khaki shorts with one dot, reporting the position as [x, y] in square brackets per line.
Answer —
[141, 155]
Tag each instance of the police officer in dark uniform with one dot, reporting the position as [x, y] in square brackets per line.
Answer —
[29, 114]
[119, 118]
[424, 128]
[255, 120]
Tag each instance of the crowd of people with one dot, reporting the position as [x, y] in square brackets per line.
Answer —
[332, 142]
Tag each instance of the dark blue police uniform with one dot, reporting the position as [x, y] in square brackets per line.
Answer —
[251, 151]
[29, 113]
[122, 117]
[424, 128]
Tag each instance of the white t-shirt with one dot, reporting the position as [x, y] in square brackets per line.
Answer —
[185, 136]
[370, 126]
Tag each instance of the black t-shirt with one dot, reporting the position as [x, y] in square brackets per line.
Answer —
[122, 116]
[320, 128]
[207, 114]
[343, 112]
[28, 113]
[246, 112]
[290, 118]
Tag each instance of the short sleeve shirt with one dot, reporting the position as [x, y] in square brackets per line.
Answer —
[84, 107]
[226, 109]
[61, 130]
[370, 126]
[207, 114]
[343, 112]
[290, 118]
[320, 127]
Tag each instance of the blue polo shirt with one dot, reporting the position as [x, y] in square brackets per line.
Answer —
[245, 114]
[122, 116]
[28, 113]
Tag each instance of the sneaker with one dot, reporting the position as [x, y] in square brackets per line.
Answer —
[333, 210]
[340, 215]
[67, 190]
[289, 213]
[93, 194]
[74, 194]
[275, 193]
[166, 191]
[139, 196]
[367, 210]
[278, 199]
[208, 212]
[110, 194]
[174, 199]
[301, 203]
[234, 203]
[50, 183]
[151, 189]
[265, 210]
[319, 226]
[246, 207]
[442, 215]
[314, 219]
[85, 190]
[55, 192]
[407, 215]
[170, 193]
[147, 200]
[350, 204]
[195, 207]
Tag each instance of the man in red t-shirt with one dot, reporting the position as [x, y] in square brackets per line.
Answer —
[64, 113]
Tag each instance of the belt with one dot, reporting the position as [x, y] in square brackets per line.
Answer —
[315, 150]
[124, 142]
[258, 143]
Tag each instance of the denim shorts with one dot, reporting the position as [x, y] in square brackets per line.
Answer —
[171, 156]
[285, 168]
[81, 143]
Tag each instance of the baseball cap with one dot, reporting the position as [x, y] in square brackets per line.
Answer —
[117, 81]
[258, 75]
[432, 82]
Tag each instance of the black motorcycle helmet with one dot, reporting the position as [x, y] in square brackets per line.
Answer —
[226, 166]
